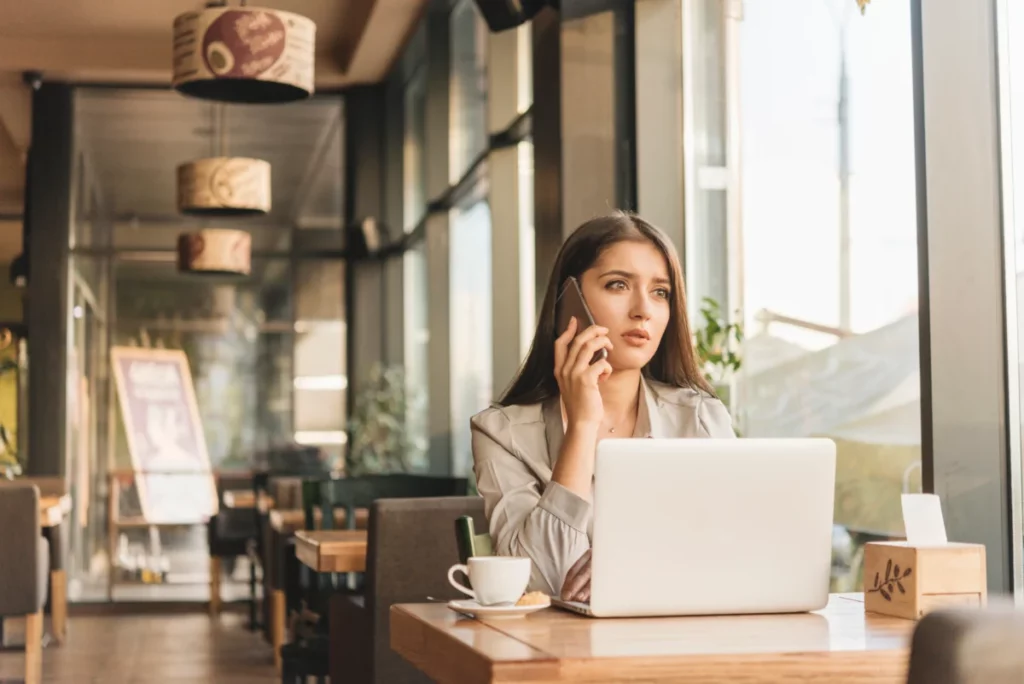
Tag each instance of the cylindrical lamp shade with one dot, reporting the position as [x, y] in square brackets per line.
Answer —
[244, 54]
[215, 251]
[224, 186]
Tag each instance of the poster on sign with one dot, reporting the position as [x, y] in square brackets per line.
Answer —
[165, 435]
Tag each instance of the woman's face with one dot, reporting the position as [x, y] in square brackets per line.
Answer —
[628, 292]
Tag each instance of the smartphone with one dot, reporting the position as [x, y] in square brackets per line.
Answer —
[571, 303]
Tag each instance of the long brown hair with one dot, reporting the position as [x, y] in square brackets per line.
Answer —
[675, 361]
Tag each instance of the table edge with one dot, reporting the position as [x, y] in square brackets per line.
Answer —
[484, 669]
[827, 665]
[307, 551]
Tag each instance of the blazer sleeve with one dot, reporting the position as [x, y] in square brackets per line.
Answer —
[541, 520]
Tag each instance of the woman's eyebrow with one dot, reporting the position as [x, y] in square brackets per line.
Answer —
[626, 274]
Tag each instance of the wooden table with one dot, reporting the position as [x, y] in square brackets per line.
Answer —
[245, 498]
[53, 509]
[837, 644]
[332, 550]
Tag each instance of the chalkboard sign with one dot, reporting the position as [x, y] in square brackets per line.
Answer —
[165, 435]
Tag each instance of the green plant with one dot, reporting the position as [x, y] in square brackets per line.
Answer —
[10, 466]
[717, 342]
[381, 441]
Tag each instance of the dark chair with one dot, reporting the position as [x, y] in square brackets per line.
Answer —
[361, 492]
[229, 534]
[57, 536]
[349, 494]
[411, 547]
[279, 473]
[969, 646]
[24, 569]
[282, 571]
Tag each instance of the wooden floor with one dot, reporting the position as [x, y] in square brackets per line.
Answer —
[151, 649]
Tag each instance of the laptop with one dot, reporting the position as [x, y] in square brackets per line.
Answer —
[710, 527]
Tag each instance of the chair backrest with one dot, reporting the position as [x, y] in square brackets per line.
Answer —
[293, 459]
[410, 548]
[20, 539]
[311, 500]
[361, 492]
[969, 647]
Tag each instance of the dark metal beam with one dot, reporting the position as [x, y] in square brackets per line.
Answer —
[49, 218]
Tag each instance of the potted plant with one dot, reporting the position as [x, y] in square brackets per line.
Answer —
[718, 347]
[10, 467]
[380, 439]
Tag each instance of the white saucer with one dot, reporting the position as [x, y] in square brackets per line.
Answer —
[474, 609]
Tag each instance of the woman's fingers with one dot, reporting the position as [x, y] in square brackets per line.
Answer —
[562, 344]
[583, 595]
[602, 369]
[578, 575]
[582, 348]
[587, 351]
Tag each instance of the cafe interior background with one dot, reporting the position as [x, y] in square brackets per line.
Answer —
[417, 200]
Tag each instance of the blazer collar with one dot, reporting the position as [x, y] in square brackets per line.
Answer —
[648, 420]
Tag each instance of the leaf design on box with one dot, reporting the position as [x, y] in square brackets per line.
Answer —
[894, 576]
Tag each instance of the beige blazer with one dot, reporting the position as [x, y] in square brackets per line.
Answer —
[514, 452]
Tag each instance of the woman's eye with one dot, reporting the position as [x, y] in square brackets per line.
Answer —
[662, 292]
[615, 285]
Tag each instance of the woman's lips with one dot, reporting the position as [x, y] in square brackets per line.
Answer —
[636, 338]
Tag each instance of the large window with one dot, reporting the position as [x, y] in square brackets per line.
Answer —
[470, 316]
[822, 257]
[415, 283]
[1014, 184]
[468, 89]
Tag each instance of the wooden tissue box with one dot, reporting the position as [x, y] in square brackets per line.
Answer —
[908, 581]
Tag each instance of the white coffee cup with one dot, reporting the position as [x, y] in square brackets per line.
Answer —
[495, 579]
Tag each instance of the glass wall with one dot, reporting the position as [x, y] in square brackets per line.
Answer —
[319, 378]
[237, 334]
[818, 261]
[265, 350]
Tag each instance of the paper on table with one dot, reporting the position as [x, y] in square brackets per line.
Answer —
[922, 519]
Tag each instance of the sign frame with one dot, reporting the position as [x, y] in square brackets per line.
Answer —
[120, 357]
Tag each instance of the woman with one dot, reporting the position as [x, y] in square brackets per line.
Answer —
[534, 452]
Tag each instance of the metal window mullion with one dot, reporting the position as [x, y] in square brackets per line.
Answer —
[967, 402]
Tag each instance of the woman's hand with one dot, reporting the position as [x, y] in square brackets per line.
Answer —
[577, 378]
[576, 586]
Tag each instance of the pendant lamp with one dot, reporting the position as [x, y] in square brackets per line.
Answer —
[243, 54]
[224, 186]
[215, 251]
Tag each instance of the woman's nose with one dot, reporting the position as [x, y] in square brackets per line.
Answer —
[641, 309]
